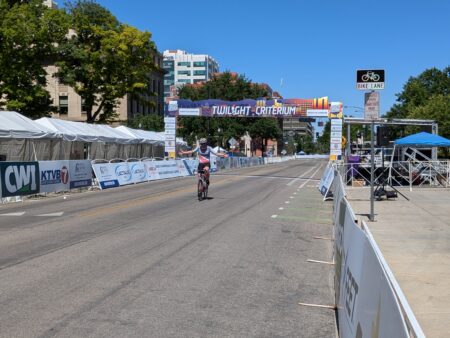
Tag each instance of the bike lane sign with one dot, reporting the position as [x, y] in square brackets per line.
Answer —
[370, 79]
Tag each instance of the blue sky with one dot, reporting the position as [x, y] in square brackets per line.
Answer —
[315, 46]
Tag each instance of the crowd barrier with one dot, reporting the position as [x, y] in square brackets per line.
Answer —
[313, 157]
[115, 174]
[29, 178]
[368, 299]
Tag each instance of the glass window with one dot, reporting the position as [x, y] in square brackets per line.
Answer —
[199, 64]
[83, 106]
[199, 72]
[184, 81]
[63, 104]
[184, 64]
[184, 72]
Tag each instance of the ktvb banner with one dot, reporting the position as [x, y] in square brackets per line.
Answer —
[246, 108]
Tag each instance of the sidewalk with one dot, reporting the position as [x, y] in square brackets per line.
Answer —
[414, 237]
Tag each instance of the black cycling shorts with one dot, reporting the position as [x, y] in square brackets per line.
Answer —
[202, 166]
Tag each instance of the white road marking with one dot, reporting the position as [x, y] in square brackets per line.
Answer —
[332, 307]
[304, 183]
[14, 214]
[300, 176]
[274, 216]
[280, 208]
[287, 202]
[291, 197]
[322, 262]
[55, 214]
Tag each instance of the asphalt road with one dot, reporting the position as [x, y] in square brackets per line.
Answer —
[150, 260]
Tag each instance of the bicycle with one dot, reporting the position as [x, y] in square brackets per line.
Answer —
[370, 76]
[202, 185]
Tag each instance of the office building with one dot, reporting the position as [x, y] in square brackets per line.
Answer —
[70, 105]
[184, 68]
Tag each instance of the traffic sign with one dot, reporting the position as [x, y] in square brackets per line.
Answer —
[232, 141]
[371, 106]
[372, 79]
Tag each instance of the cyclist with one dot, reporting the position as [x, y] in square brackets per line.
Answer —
[204, 152]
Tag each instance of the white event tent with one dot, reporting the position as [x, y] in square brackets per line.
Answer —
[22, 139]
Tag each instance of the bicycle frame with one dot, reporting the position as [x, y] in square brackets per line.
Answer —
[202, 186]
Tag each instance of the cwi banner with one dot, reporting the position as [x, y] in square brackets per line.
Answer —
[28, 178]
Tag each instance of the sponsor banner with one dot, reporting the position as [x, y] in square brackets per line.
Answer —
[336, 139]
[169, 125]
[191, 166]
[152, 170]
[366, 302]
[170, 139]
[317, 112]
[213, 163]
[247, 107]
[105, 174]
[167, 169]
[189, 111]
[335, 128]
[336, 134]
[336, 110]
[169, 131]
[54, 176]
[335, 146]
[182, 168]
[80, 172]
[169, 119]
[138, 172]
[325, 182]
[372, 106]
[19, 178]
[122, 172]
[335, 152]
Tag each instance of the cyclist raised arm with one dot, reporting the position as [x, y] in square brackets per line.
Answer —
[204, 152]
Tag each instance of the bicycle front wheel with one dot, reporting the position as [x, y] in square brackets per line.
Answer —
[200, 190]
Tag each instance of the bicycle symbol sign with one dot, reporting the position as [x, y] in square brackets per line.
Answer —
[370, 75]
[370, 79]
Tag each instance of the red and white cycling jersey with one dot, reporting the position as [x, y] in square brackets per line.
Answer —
[204, 155]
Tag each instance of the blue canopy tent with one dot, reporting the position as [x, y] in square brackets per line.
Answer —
[422, 140]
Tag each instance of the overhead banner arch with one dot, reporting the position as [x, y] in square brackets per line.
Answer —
[275, 108]
[279, 108]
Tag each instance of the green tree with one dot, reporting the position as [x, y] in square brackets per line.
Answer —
[225, 86]
[323, 142]
[420, 98]
[305, 143]
[104, 60]
[151, 122]
[30, 36]
[264, 129]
